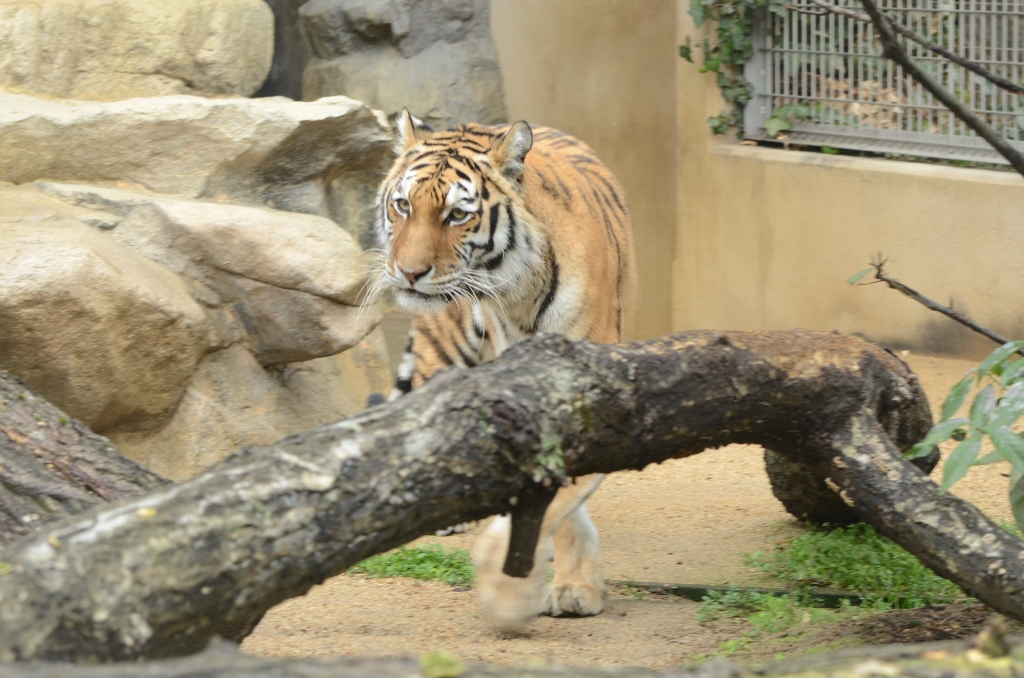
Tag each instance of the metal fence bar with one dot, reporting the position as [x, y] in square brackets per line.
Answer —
[862, 101]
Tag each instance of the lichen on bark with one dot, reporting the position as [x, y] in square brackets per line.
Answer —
[161, 574]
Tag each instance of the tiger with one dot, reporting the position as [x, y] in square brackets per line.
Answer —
[490, 234]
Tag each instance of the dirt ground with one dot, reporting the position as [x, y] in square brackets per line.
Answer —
[687, 521]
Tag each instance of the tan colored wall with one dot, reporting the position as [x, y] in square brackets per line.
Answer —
[766, 237]
[604, 70]
[739, 237]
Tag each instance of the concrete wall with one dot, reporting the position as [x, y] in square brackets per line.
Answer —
[604, 70]
[767, 237]
[740, 237]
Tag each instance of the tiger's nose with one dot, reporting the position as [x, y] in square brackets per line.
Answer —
[413, 276]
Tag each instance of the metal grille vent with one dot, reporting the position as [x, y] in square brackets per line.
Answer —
[860, 100]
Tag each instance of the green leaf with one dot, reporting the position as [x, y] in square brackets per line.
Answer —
[775, 125]
[719, 124]
[686, 51]
[828, 150]
[1012, 373]
[984, 405]
[1009, 407]
[859, 275]
[939, 433]
[990, 458]
[998, 356]
[1017, 502]
[957, 395]
[1010, 446]
[960, 461]
[699, 13]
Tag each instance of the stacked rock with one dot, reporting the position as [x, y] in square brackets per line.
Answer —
[435, 57]
[170, 273]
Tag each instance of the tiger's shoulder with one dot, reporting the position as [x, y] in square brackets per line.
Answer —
[517, 229]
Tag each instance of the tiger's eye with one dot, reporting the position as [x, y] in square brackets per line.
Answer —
[403, 205]
[458, 214]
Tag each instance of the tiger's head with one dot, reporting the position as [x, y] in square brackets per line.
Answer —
[451, 217]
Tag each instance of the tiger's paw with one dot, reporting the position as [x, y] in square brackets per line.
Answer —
[455, 529]
[511, 603]
[572, 600]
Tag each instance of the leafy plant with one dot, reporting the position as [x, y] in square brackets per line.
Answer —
[783, 117]
[855, 559]
[996, 407]
[732, 48]
[431, 562]
[859, 560]
[766, 613]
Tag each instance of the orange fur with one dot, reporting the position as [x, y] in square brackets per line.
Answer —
[494, 234]
[570, 259]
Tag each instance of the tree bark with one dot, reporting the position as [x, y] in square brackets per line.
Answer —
[161, 574]
[944, 659]
[221, 660]
[806, 496]
[53, 466]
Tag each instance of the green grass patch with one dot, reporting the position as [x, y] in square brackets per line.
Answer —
[430, 561]
[854, 559]
[766, 613]
[859, 560]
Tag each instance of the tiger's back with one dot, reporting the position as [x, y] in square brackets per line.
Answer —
[563, 230]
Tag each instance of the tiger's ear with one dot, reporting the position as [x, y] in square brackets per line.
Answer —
[411, 131]
[510, 150]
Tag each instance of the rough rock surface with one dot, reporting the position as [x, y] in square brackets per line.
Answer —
[434, 56]
[183, 329]
[118, 49]
[249, 149]
[233, 402]
[296, 252]
[98, 329]
[291, 52]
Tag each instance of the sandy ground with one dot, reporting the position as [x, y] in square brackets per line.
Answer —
[686, 521]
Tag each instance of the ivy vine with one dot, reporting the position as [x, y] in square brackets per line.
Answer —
[725, 57]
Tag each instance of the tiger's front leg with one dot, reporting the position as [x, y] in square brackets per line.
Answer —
[457, 337]
[578, 588]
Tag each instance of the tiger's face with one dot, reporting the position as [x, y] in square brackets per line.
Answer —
[448, 212]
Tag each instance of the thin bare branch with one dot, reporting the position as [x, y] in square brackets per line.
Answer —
[974, 67]
[880, 276]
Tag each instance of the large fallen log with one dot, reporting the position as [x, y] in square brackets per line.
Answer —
[995, 656]
[947, 659]
[52, 466]
[161, 574]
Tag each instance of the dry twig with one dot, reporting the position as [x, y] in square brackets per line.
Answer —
[880, 276]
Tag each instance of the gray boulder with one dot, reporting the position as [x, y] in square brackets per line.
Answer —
[291, 52]
[201, 240]
[183, 329]
[119, 49]
[247, 149]
[434, 56]
[101, 331]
